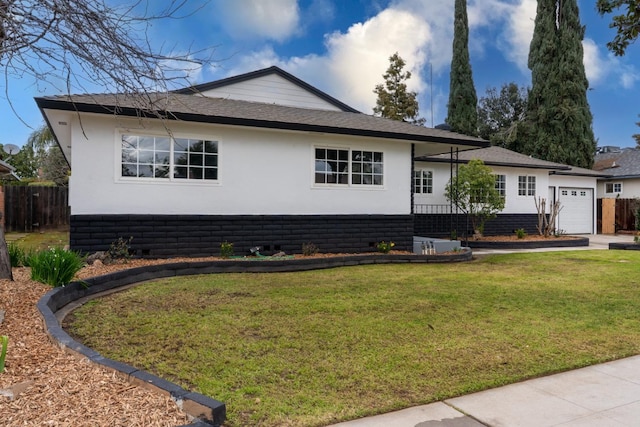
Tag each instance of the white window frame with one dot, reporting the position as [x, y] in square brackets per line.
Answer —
[170, 178]
[501, 184]
[423, 181]
[613, 185]
[529, 182]
[368, 174]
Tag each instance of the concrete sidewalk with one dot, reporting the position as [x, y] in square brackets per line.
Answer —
[600, 395]
[605, 395]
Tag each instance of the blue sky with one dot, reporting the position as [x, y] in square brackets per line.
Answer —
[342, 47]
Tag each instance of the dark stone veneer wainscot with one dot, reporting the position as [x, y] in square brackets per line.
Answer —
[161, 236]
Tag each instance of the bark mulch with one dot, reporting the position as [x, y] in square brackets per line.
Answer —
[43, 385]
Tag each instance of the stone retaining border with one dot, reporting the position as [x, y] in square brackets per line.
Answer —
[205, 410]
[625, 246]
[531, 244]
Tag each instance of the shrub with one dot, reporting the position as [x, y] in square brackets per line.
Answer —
[226, 249]
[4, 342]
[520, 233]
[17, 255]
[55, 267]
[120, 249]
[385, 247]
[309, 249]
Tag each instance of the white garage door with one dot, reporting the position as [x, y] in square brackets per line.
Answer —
[576, 216]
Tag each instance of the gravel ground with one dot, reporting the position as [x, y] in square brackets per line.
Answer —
[55, 388]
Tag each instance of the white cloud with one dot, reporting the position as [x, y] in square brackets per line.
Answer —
[518, 30]
[607, 68]
[253, 19]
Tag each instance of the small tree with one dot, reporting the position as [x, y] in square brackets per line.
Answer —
[394, 101]
[473, 191]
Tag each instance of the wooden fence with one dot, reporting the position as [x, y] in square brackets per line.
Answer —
[28, 209]
[616, 215]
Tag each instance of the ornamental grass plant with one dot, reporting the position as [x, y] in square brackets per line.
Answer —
[55, 267]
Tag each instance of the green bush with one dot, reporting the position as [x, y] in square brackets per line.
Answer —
[309, 249]
[4, 342]
[120, 249]
[17, 255]
[226, 249]
[55, 267]
[385, 247]
[521, 233]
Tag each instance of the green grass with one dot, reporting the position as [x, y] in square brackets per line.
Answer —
[39, 241]
[313, 348]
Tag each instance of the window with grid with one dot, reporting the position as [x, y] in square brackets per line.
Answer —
[526, 185]
[167, 158]
[195, 159]
[422, 182]
[332, 166]
[366, 168]
[613, 187]
[501, 185]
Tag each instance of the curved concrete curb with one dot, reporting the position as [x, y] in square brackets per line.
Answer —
[204, 410]
[532, 244]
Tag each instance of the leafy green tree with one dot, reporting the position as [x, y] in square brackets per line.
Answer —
[558, 125]
[626, 24]
[499, 115]
[637, 136]
[394, 101]
[473, 191]
[462, 113]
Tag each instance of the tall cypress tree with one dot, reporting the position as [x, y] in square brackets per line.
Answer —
[462, 108]
[559, 120]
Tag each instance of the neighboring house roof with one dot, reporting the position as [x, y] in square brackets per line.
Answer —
[197, 89]
[175, 106]
[619, 164]
[7, 171]
[498, 156]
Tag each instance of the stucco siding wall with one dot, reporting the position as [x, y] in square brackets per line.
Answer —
[261, 172]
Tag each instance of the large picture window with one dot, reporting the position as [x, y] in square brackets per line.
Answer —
[422, 182]
[348, 167]
[162, 157]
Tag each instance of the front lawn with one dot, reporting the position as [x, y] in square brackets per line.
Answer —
[314, 348]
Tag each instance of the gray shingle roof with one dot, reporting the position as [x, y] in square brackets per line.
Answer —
[625, 163]
[244, 113]
[498, 156]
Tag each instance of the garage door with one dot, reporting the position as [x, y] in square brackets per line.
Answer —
[576, 216]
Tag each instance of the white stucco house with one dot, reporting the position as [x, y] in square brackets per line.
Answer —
[520, 179]
[261, 159]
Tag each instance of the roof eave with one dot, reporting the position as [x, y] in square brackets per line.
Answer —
[493, 163]
[45, 103]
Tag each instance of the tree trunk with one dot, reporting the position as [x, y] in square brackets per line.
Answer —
[5, 261]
